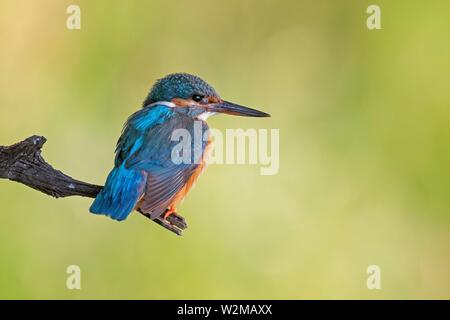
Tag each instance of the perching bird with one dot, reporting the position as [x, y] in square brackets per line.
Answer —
[144, 176]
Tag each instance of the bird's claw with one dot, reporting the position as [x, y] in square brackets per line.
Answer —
[174, 222]
[177, 221]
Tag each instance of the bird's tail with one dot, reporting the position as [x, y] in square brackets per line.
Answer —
[120, 194]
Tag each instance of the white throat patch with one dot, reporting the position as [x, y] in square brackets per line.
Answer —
[205, 115]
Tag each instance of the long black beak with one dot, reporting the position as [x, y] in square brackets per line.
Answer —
[236, 110]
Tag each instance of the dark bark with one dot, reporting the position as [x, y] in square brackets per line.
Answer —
[22, 162]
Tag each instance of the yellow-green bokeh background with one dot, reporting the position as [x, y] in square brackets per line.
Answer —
[364, 135]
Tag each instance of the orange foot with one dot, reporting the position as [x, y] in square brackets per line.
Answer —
[170, 210]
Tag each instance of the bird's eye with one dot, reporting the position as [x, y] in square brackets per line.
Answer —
[197, 97]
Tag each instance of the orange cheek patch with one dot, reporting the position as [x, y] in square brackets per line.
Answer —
[212, 99]
[181, 102]
[189, 102]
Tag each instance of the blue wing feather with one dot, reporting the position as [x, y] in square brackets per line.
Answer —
[122, 190]
[125, 185]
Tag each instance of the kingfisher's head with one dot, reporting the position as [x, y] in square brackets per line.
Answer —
[193, 96]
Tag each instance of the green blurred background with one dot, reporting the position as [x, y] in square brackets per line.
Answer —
[364, 148]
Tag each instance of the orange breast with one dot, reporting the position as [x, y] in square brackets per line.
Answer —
[194, 176]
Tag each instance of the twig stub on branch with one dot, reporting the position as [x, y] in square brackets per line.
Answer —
[22, 162]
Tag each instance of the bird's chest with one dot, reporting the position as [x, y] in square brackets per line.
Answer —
[196, 173]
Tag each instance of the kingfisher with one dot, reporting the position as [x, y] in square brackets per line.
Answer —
[145, 176]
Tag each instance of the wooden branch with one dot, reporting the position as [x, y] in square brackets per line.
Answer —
[22, 162]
